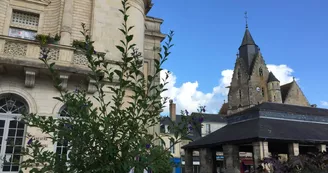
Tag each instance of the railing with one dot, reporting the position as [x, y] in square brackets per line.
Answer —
[17, 48]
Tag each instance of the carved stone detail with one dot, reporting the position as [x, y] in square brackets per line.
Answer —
[53, 54]
[15, 49]
[80, 59]
[91, 87]
[41, 2]
[30, 74]
[64, 79]
[66, 29]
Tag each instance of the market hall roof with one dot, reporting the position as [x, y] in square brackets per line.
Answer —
[270, 122]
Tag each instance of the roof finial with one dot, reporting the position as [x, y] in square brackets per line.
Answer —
[293, 78]
[246, 18]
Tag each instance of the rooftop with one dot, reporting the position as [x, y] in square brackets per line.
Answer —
[271, 122]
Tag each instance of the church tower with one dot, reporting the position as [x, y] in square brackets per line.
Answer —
[274, 92]
[249, 81]
[252, 83]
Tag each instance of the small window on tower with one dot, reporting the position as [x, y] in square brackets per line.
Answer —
[239, 95]
[238, 74]
[260, 71]
[263, 92]
[274, 98]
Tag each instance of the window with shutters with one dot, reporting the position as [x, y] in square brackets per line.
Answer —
[24, 25]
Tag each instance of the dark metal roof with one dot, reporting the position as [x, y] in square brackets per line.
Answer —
[272, 78]
[271, 121]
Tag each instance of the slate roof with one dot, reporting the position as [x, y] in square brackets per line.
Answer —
[272, 77]
[247, 39]
[284, 90]
[269, 128]
[217, 118]
[285, 108]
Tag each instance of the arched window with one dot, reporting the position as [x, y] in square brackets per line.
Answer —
[62, 144]
[260, 71]
[12, 131]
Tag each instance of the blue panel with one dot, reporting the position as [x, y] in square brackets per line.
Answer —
[177, 161]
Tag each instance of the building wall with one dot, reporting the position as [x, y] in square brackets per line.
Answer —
[82, 13]
[21, 71]
[213, 127]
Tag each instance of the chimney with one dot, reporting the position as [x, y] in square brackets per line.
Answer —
[314, 105]
[172, 111]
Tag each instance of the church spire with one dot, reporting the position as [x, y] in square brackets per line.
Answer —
[248, 39]
[248, 49]
[246, 19]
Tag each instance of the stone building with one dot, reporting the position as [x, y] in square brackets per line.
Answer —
[24, 83]
[252, 83]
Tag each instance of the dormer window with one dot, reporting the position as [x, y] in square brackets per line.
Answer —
[260, 71]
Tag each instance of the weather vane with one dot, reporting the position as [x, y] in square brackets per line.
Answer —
[246, 18]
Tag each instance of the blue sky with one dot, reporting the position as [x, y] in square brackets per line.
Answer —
[209, 32]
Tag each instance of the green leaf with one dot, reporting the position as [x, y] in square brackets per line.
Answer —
[121, 49]
[129, 38]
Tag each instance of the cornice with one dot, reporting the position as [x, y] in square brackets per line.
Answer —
[41, 2]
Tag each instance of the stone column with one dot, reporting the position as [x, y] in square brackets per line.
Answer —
[188, 158]
[207, 160]
[322, 147]
[293, 149]
[260, 151]
[66, 28]
[231, 159]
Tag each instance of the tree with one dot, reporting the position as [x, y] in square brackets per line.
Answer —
[106, 136]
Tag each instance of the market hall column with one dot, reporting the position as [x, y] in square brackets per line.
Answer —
[188, 161]
[207, 160]
[231, 158]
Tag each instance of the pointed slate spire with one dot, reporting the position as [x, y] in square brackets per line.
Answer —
[248, 39]
[272, 77]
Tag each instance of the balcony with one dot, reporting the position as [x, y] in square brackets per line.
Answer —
[22, 54]
[16, 51]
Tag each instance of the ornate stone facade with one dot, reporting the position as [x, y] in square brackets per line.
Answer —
[24, 76]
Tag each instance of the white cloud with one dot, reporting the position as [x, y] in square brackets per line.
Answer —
[188, 96]
[324, 103]
[282, 72]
